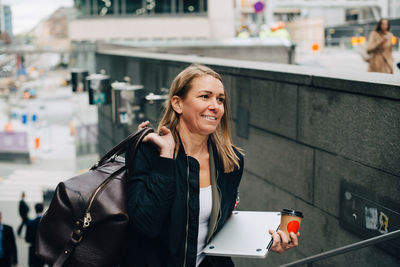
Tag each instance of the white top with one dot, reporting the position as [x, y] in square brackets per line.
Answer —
[205, 199]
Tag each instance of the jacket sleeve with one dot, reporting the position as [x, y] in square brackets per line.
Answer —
[151, 189]
[13, 247]
[374, 42]
[29, 236]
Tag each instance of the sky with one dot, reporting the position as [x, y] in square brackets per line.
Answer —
[27, 13]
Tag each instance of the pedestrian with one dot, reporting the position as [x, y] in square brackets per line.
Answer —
[8, 248]
[30, 237]
[183, 183]
[380, 48]
[23, 210]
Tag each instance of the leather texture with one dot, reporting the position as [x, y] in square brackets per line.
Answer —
[65, 238]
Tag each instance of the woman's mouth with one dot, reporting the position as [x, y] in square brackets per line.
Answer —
[210, 118]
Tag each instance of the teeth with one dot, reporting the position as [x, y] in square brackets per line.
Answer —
[210, 118]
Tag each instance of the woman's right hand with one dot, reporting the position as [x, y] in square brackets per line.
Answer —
[165, 142]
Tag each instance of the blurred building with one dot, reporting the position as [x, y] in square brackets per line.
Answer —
[334, 12]
[152, 19]
[7, 20]
[53, 30]
[5, 24]
[394, 9]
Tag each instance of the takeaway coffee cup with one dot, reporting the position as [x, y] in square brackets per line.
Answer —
[290, 221]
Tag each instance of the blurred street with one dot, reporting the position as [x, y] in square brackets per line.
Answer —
[55, 159]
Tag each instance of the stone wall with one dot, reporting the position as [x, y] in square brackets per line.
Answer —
[304, 132]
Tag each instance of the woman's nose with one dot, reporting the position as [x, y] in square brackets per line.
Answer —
[214, 105]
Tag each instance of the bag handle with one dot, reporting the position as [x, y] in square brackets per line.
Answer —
[136, 137]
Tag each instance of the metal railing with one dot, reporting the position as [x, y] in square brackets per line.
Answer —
[344, 249]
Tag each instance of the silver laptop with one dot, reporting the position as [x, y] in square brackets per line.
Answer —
[245, 234]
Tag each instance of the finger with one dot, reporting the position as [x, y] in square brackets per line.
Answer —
[165, 130]
[295, 241]
[143, 124]
[149, 137]
[284, 238]
[275, 239]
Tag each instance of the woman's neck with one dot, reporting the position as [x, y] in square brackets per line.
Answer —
[194, 144]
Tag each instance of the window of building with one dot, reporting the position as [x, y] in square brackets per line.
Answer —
[134, 7]
[104, 7]
[139, 7]
[163, 6]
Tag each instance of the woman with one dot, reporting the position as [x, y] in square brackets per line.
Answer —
[380, 47]
[184, 180]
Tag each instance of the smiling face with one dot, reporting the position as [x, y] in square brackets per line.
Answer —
[202, 108]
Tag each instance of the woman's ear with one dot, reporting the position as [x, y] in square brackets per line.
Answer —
[176, 103]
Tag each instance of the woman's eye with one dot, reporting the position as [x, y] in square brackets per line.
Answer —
[221, 99]
[204, 96]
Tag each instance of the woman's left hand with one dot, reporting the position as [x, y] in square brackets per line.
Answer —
[281, 243]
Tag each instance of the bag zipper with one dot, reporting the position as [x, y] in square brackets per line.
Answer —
[187, 209]
[87, 219]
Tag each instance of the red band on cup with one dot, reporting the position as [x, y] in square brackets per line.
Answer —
[293, 226]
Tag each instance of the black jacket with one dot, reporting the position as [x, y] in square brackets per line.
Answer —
[30, 237]
[9, 246]
[163, 206]
[23, 209]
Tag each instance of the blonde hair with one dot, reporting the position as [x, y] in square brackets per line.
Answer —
[221, 137]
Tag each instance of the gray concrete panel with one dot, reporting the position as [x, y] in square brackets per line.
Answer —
[150, 75]
[372, 84]
[119, 134]
[106, 126]
[118, 69]
[274, 107]
[241, 94]
[330, 170]
[106, 111]
[280, 161]
[361, 128]
[133, 71]
[105, 144]
[103, 62]
[172, 72]
[227, 81]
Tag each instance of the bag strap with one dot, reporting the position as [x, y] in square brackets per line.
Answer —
[135, 137]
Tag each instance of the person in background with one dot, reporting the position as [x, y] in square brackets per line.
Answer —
[380, 47]
[8, 248]
[182, 185]
[30, 237]
[23, 210]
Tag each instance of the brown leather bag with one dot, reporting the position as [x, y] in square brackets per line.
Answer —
[86, 223]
